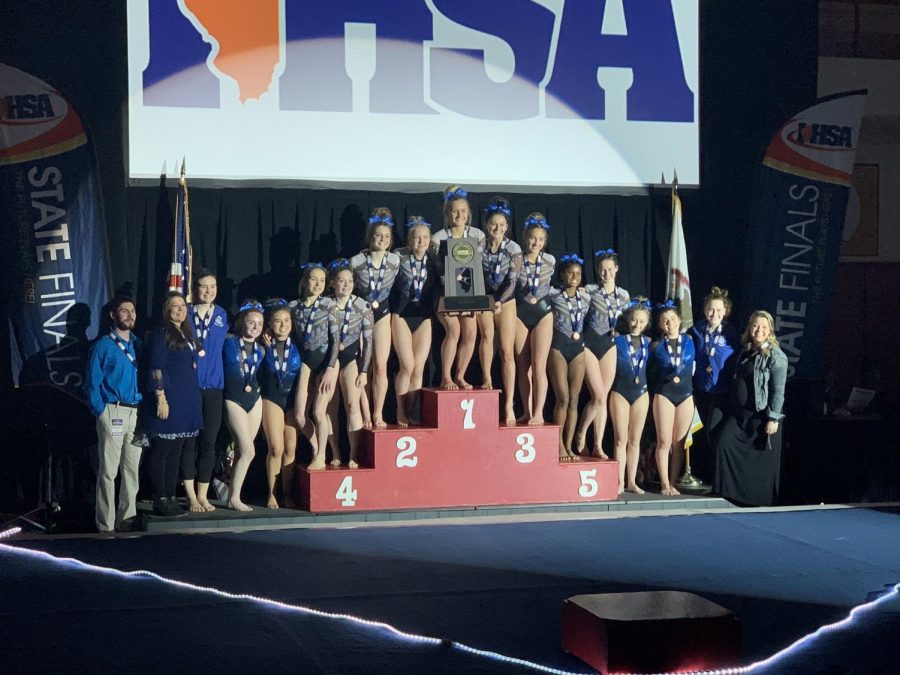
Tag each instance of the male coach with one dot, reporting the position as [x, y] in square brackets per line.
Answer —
[111, 385]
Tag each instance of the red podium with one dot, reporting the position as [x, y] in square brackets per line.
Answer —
[460, 456]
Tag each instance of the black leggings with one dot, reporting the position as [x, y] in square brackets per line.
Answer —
[199, 461]
[165, 456]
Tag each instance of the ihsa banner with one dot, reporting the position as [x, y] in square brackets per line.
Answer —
[797, 221]
[54, 238]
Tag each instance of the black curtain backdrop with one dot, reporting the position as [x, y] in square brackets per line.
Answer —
[757, 67]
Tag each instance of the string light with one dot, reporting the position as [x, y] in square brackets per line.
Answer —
[268, 602]
[791, 649]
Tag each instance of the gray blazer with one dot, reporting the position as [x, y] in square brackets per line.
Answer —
[769, 375]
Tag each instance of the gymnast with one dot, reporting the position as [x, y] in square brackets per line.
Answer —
[670, 373]
[569, 305]
[374, 271]
[534, 325]
[500, 263]
[413, 300]
[278, 379]
[241, 357]
[350, 325]
[459, 329]
[607, 303]
[629, 401]
[309, 316]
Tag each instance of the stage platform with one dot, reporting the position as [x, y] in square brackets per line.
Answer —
[263, 518]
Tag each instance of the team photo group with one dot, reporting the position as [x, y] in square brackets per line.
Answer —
[286, 365]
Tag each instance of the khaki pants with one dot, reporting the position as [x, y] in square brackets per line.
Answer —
[117, 457]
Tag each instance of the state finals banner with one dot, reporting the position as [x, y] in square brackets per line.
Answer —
[55, 273]
[798, 218]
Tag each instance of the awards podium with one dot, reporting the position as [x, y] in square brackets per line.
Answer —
[460, 456]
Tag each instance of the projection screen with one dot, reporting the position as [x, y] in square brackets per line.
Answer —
[518, 95]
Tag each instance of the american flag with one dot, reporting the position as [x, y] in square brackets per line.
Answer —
[180, 271]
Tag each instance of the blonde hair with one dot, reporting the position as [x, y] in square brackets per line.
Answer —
[454, 193]
[415, 222]
[760, 314]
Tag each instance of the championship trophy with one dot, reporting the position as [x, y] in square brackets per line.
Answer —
[463, 278]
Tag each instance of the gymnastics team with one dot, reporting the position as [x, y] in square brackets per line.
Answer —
[285, 365]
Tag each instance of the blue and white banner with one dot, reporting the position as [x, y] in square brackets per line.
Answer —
[417, 93]
[798, 218]
[57, 279]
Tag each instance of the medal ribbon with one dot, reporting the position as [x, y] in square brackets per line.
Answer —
[281, 365]
[576, 316]
[375, 285]
[494, 260]
[121, 344]
[345, 325]
[676, 356]
[201, 326]
[249, 362]
[613, 311]
[711, 339]
[308, 325]
[533, 280]
[419, 274]
[642, 355]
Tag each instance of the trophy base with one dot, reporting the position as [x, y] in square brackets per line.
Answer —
[466, 303]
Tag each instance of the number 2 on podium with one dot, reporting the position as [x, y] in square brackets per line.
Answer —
[468, 404]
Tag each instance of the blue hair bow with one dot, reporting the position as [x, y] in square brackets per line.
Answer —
[277, 302]
[384, 220]
[338, 263]
[639, 303]
[494, 207]
[537, 222]
[571, 258]
[415, 222]
[311, 265]
[668, 304]
[458, 193]
[251, 306]
[605, 251]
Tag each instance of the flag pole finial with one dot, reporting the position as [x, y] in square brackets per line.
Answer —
[674, 178]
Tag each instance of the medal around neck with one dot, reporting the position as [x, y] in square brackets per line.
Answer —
[464, 278]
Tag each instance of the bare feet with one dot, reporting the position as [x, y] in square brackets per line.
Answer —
[522, 420]
[669, 491]
[579, 444]
[209, 508]
[461, 381]
[196, 507]
[316, 464]
[510, 420]
[620, 488]
[379, 423]
[238, 505]
[598, 452]
[402, 419]
[487, 384]
[352, 464]
[271, 502]
[450, 385]
[367, 424]
[336, 463]
[536, 421]
[635, 489]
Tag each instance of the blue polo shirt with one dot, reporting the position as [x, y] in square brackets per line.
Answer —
[111, 377]
[209, 366]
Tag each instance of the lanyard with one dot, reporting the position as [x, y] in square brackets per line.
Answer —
[375, 285]
[711, 339]
[281, 365]
[676, 356]
[307, 327]
[612, 310]
[249, 363]
[575, 314]
[201, 326]
[533, 280]
[495, 259]
[345, 325]
[121, 344]
[636, 364]
[450, 233]
[419, 274]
